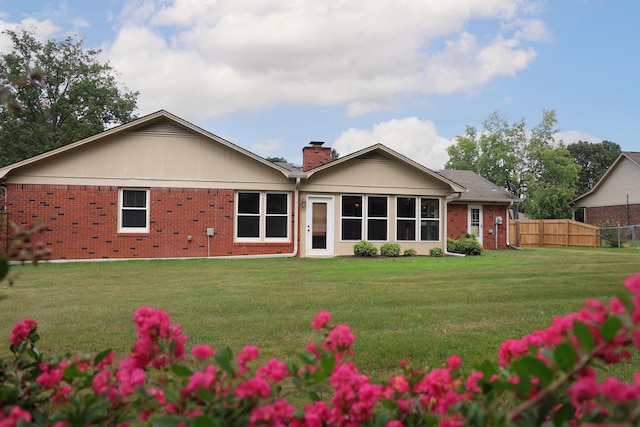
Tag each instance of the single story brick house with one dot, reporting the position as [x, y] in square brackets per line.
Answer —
[483, 210]
[161, 187]
[615, 199]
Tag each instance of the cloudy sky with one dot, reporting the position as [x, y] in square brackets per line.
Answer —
[272, 75]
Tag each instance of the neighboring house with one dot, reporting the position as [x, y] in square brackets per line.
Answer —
[615, 199]
[160, 187]
[482, 211]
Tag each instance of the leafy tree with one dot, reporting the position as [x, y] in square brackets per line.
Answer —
[540, 171]
[334, 154]
[277, 159]
[594, 160]
[59, 93]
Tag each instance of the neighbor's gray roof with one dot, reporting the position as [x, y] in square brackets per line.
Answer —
[479, 189]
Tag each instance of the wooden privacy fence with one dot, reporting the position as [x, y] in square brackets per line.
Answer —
[553, 232]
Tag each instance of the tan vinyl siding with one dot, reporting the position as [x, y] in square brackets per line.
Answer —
[613, 191]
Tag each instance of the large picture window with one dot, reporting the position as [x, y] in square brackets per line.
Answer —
[429, 219]
[351, 217]
[262, 216]
[134, 210]
[406, 218]
[377, 218]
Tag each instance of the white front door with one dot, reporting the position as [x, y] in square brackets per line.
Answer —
[475, 221]
[319, 226]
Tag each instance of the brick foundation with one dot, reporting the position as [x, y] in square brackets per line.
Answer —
[82, 223]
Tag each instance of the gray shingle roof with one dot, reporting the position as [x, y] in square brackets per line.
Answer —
[479, 189]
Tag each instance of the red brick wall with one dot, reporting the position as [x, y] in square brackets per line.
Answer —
[457, 221]
[82, 222]
[613, 215]
[314, 156]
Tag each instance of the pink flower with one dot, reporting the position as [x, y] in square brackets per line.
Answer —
[15, 415]
[22, 330]
[274, 371]
[454, 362]
[202, 352]
[254, 387]
[247, 354]
[321, 320]
[200, 380]
[340, 339]
[50, 376]
[472, 382]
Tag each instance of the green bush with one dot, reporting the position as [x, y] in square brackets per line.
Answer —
[364, 248]
[390, 249]
[466, 244]
[436, 252]
[410, 252]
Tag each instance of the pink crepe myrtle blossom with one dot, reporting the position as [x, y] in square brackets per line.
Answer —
[280, 413]
[22, 330]
[14, 417]
[253, 387]
[274, 370]
[202, 352]
[321, 320]
[247, 354]
[339, 339]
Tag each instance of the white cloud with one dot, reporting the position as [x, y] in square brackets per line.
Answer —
[213, 58]
[414, 138]
[267, 147]
[42, 30]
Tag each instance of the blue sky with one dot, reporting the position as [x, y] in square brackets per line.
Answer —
[273, 75]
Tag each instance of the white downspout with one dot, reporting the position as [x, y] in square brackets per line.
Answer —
[446, 220]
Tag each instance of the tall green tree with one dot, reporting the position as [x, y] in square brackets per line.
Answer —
[594, 160]
[60, 93]
[541, 170]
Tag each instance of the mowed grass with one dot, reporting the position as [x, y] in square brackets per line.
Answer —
[423, 309]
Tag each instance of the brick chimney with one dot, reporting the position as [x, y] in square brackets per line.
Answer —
[315, 155]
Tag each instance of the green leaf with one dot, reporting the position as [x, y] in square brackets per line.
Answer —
[4, 268]
[171, 421]
[100, 356]
[488, 369]
[70, 372]
[565, 356]
[610, 328]
[205, 395]
[224, 362]
[307, 357]
[203, 421]
[537, 368]
[625, 298]
[584, 335]
[181, 370]
[564, 414]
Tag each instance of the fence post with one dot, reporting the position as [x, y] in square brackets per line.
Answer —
[541, 231]
[566, 234]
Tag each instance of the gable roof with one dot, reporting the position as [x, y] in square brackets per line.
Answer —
[156, 117]
[387, 152]
[479, 189]
[632, 156]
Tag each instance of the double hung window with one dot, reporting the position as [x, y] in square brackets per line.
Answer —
[134, 210]
[429, 219]
[262, 216]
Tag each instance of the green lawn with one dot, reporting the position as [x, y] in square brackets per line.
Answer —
[419, 308]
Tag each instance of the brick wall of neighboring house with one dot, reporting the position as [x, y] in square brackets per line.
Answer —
[82, 223]
[457, 217]
[614, 215]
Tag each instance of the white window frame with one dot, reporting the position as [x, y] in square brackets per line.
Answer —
[438, 220]
[262, 214]
[122, 208]
[416, 218]
[376, 218]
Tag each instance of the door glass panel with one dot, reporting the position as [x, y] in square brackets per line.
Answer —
[319, 226]
[475, 222]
